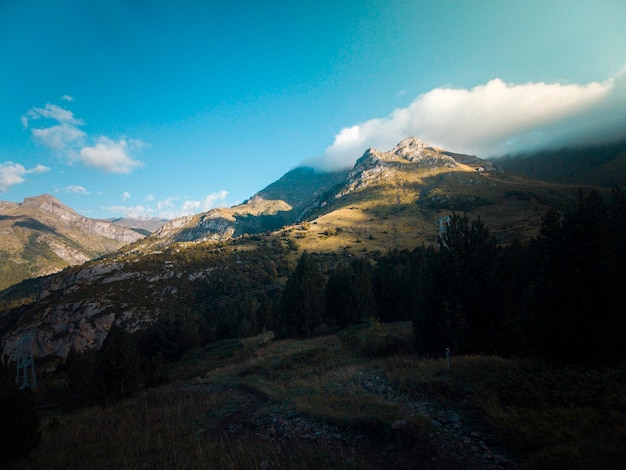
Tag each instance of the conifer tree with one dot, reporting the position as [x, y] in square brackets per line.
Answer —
[302, 305]
[83, 387]
[119, 365]
[457, 288]
[349, 296]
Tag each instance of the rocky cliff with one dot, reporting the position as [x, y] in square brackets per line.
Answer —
[41, 236]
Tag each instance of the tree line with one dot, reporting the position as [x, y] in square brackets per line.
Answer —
[557, 297]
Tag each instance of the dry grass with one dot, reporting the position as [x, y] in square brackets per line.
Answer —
[543, 415]
[165, 428]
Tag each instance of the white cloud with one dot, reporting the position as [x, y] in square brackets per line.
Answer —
[171, 207]
[125, 196]
[149, 198]
[38, 169]
[54, 112]
[64, 135]
[13, 173]
[59, 137]
[208, 202]
[73, 188]
[133, 212]
[110, 156]
[493, 119]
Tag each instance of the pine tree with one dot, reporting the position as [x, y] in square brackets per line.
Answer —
[575, 307]
[119, 365]
[302, 305]
[83, 387]
[457, 289]
[349, 296]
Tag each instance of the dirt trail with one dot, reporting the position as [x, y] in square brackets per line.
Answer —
[447, 444]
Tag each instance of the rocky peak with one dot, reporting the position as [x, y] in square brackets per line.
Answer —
[50, 204]
[410, 149]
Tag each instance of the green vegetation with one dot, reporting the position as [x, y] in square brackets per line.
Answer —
[328, 402]
[537, 370]
[302, 305]
[541, 299]
[349, 295]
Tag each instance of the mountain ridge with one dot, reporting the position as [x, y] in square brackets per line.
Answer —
[42, 236]
[391, 199]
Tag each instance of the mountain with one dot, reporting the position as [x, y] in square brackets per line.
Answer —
[394, 189]
[225, 262]
[600, 165]
[142, 225]
[284, 202]
[42, 236]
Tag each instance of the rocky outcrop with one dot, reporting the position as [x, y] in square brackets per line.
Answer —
[377, 166]
[42, 236]
[51, 205]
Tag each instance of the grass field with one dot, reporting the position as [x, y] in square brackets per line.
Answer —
[359, 398]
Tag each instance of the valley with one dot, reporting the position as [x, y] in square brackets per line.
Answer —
[307, 327]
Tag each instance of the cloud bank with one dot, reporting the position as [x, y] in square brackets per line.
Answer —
[61, 132]
[14, 173]
[492, 120]
[169, 208]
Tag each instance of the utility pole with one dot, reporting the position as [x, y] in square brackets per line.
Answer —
[25, 375]
[443, 226]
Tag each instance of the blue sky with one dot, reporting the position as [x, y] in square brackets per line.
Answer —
[154, 108]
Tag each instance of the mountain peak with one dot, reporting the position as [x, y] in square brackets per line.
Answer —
[42, 199]
[410, 148]
[48, 203]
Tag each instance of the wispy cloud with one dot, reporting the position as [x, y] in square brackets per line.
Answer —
[110, 156]
[54, 112]
[74, 189]
[133, 212]
[493, 119]
[60, 136]
[61, 131]
[171, 207]
[14, 173]
[125, 196]
[203, 205]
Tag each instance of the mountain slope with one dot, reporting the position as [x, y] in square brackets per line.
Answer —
[284, 202]
[410, 182]
[241, 255]
[603, 165]
[41, 236]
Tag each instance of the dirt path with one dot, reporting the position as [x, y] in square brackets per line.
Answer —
[448, 443]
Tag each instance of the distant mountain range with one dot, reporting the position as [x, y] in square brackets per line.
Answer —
[41, 236]
[390, 199]
[143, 225]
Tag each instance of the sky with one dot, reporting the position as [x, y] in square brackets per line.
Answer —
[150, 108]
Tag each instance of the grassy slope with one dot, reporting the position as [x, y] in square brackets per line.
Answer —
[330, 402]
[405, 212]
